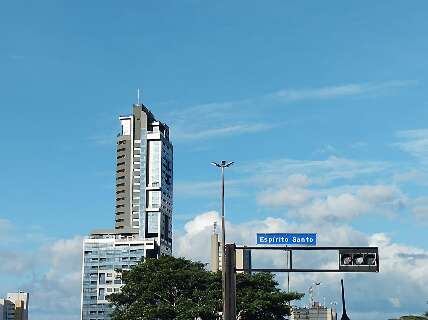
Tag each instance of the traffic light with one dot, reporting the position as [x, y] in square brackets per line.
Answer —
[359, 260]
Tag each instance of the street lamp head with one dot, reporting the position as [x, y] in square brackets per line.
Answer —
[223, 164]
[229, 164]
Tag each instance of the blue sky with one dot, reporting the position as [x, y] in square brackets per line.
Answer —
[321, 105]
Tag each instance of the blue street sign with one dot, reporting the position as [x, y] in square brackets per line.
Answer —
[288, 239]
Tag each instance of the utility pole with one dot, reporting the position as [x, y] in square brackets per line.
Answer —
[230, 283]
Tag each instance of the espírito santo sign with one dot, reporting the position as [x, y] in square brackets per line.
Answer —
[306, 239]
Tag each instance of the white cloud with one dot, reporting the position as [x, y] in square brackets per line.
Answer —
[288, 196]
[421, 212]
[320, 171]
[343, 206]
[51, 273]
[376, 199]
[340, 202]
[386, 195]
[55, 292]
[194, 239]
[215, 120]
[15, 263]
[346, 90]
[402, 282]
[414, 142]
[62, 253]
[236, 129]
[292, 194]
[316, 189]
[420, 208]
[220, 119]
[412, 175]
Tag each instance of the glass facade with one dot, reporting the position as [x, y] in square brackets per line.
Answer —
[143, 183]
[155, 163]
[103, 261]
[153, 222]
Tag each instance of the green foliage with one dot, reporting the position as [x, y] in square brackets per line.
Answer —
[165, 288]
[424, 317]
[170, 288]
[258, 297]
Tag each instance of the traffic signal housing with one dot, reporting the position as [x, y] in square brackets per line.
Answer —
[359, 260]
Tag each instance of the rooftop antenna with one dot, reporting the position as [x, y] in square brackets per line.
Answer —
[138, 96]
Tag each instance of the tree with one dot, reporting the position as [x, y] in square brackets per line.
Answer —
[258, 297]
[424, 317]
[175, 288]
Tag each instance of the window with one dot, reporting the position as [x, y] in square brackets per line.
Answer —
[101, 294]
[152, 220]
[155, 197]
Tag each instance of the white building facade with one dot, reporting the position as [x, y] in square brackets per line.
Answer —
[316, 312]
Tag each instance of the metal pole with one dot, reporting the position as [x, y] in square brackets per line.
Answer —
[230, 282]
[223, 243]
[288, 273]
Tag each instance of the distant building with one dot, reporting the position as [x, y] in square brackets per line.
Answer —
[315, 312]
[143, 212]
[14, 306]
[243, 256]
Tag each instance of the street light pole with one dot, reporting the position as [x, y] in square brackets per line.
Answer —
[222, 166]
[223, 227]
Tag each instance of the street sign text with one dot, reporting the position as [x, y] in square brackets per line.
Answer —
[306, 239]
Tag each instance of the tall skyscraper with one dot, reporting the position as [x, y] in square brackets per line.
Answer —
[144, 178]
[143, 211]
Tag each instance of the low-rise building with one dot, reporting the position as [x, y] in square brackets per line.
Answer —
[14, 306]
[105, 256]
[315, 312]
